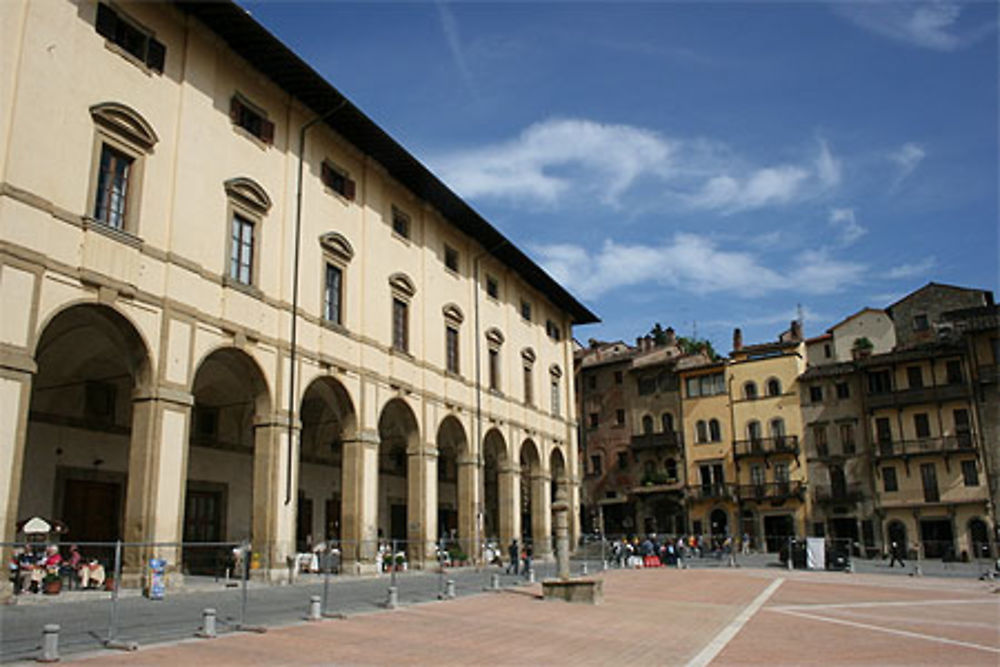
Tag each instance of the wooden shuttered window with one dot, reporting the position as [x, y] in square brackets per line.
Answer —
[130, 37]
[338, 181]
[251, 120]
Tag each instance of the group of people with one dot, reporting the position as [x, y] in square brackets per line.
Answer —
[628, 551]
[30, 566]
[519, 558]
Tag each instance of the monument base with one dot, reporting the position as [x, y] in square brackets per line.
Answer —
[581, 591]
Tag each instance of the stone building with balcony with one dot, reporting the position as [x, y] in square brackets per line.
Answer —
[771, 471]
[708, 445]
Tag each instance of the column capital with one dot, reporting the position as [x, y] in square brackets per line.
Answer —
[164, 394]
[16, 361]
[366, 438]
[276, 420]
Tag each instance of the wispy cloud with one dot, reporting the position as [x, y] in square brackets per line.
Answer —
[845, 222]
[912, 270]
[907, 158]
[449, 25]
[558, 159]
[694, 264]
[931, 25]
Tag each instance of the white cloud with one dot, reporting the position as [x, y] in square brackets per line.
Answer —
[550, 158]
[912, 270]
[693, 264]
[557, 159]
[844, 220]
[908, 157]
[450, 28]
[931, 25]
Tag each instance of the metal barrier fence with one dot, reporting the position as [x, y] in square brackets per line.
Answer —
[124, 593]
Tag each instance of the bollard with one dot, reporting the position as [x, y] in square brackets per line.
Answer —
[50, 643]
[732, 560]
[604, 566]
[850, 566]
[207, 624]
[531, 576]
[583, 569]
[494, 582]
[791, 557]
[449, 589]
[315, 608]
[392, 601]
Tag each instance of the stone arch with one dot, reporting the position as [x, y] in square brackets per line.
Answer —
[455, 486]
[558, 472]
[534, 498]
[497, 519]
[231, 491]
[399, 448]
[328, 418]
[80, 463]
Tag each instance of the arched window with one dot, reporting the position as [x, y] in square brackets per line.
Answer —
[671, 468]
[753, 431]
[647, 424]
[122, 140]
[778, 431]
[714, 430]
[750, 390]
[774, 387]
[248, 203]
[667, 420]
[701, 431]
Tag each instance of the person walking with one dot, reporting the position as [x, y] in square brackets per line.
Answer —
[896, 555]
[514, 553]
[527, 561]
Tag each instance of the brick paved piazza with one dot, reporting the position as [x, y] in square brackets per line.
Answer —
[649, 617]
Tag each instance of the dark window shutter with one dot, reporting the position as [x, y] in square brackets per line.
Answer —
[349, 189]
[267, 131]
[107, 21]
[234, 110]
[326, 175]
[156, 55]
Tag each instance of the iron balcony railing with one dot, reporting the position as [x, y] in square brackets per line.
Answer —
[833, 493]
[656, 440]
[712, 491]
[781, 444]
[963, 442]
[935, 394]
[771, 490]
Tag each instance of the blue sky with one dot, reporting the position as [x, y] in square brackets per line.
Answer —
[703, 165]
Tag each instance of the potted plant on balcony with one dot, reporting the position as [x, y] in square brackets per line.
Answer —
[52, 583]
[862, 348]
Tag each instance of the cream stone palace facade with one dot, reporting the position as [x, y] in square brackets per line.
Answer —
[174, 184]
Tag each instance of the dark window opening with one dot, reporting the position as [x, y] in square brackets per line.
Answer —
[332, 296]
[119, 30]
[251, 120]
[451, 258]
[112, 187]
[337, 180]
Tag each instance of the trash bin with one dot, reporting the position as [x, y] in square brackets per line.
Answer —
[155, 578]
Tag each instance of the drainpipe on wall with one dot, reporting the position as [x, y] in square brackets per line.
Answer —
[295, 296]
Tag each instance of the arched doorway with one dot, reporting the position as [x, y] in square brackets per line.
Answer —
[455, 512]
[896, 532]
[530, 472]
[328, 418]
[77, 461]
[398, 436]
[979, 538]
[719, 524]
[494, 460]
[225, 478]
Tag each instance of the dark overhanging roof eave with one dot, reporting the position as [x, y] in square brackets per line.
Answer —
[268, 54]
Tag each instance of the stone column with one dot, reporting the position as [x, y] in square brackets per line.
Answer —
[541, 515]
[510, 504]
[157, 478]
[273, 520]
[359, 503]
[421, 505]
[560, 510]
[469, 484]
[16, 373]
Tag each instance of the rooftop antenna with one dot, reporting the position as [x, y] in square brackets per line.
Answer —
[798, 313]
[694, 329]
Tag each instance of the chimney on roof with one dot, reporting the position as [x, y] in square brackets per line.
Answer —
[638, 343]
[737, 339]
[671, 337]
[796, 330]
